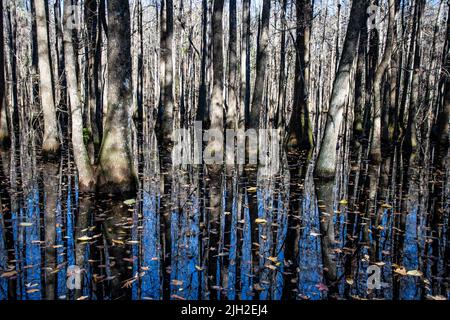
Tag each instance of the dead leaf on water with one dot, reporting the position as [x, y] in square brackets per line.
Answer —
[260, 221]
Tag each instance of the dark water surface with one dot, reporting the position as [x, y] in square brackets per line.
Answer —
[274, 239]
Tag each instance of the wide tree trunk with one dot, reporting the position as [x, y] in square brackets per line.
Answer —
[326, 162]
[50, 144]
[86, 179]
[116, 172]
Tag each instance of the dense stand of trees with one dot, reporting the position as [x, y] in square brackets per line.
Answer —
[362, 95]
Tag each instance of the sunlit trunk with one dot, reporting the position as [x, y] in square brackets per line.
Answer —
[82, 161]
[50, 144]
[326, 162]
[116, 172]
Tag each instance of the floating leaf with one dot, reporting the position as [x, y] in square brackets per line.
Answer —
[177, 282]
[26, 224]
[8, 274]
[252, 190]
[84, 238]
[260, 221]
[33, 290]
[437, 298]
[344, 202]
[414, 273]
[322, 287]
[130, 202]
[401, 271]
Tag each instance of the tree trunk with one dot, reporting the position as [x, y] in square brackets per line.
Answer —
[165, 128]
[85, 171]
[261, 65]
[215, 147]
[326, 162]
[90, 9]
[375, 149]
[244, 111]
[4, 130]
[51, 144]
[233, 95]
[166, 100]
[300, 134]
[116, 172]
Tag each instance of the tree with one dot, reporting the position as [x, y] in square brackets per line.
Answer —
[261, 65]
[233, 93]
[166, 98]
[375, 150]
[116, 172]
[300, 133]
[326, 161]
[244, 112]
[50, 145]
[215, 147]
[86, 179]
[92, 56]
[4, 130]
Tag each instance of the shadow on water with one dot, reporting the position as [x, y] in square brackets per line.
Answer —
[249, 236]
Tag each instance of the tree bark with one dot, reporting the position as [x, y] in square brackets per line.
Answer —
[116, 172]
[233, 95]
[244, 112]
[86, 179]
[326, 162]
[375, 149]
[4, 130]
[215, 147]
[90, 9]
[300, 134]
[50, 146]
[261, 65]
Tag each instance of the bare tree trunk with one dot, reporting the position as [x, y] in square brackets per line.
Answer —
[166, 100]
[85, 171]
[410, 145]
[300, 134]
[116, 172]
[244, 111]
[215, 147]
[4, 130]
[375, 149]
[261, 65]
[326, 162]
[90, 9]
[282, 79]
[233, 94]
[50, 144]
[165, 128]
